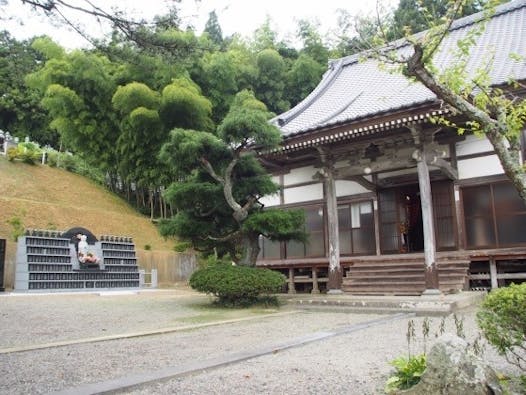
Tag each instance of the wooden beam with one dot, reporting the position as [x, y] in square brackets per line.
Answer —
[344, 173]
[364, 182]
[444, 166]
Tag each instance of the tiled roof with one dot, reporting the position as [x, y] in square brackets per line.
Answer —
[353, 90]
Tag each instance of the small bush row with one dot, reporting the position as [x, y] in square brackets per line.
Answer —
[31, 153]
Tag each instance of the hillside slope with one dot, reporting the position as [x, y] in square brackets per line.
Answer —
[50, 198]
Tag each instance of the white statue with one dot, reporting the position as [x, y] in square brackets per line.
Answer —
[84, 255]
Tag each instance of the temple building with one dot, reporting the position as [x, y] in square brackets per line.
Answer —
[394, 203]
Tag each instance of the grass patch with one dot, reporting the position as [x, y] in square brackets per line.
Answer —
[54, 196]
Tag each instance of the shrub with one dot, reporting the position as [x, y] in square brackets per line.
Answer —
[29, 157]
[408, 372]
[26, 152]
[67, 161]
[17, 225]
[51, 158]
[236, 285]
[502, 319]
[182, 246]
[12, 153]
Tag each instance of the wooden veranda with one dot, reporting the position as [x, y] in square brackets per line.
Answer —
[404, 274]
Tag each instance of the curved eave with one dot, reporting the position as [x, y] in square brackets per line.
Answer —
[346, 131]
[331, 125]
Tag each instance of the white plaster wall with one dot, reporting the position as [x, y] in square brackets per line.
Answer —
[303, 193]
[473, 145]
[275, 179]
[270, 200]
[479, 167]
[302, 174]
[346, 188]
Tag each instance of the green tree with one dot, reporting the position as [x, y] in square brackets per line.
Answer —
[222, 182]
[312, 41]
[183, 106]
[213, 29]
[414, 16]
[220, 81]
[264, 37]
[270, 84]
[77, 88]
[141, 137]
[21, 113]
[302, 78]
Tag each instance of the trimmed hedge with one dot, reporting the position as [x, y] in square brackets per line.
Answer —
[236, 285]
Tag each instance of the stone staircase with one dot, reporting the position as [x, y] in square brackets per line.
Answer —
[402, 274]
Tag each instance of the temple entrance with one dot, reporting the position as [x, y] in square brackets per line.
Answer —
[401, 218]
[411, 215]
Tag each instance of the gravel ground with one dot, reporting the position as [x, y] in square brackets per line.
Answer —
[355, 363]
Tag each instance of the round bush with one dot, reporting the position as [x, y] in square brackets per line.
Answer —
[236, 285]
[502, 319]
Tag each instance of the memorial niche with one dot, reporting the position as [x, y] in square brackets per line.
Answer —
[84, 242]
[49, 259]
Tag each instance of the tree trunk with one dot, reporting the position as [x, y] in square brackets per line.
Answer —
[250, 245]
[152, 206]
[161, 205]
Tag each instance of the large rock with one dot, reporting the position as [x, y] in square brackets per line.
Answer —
[453, 369]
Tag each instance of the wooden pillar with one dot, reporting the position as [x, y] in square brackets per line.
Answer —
[292, 287]
[376, 225]
[493, 273]
[315, 287]
[431, 269]
[335, 271]
[458, 218]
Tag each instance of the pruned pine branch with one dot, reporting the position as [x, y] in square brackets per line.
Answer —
[210, 170]
[250, 203]
[228, 237]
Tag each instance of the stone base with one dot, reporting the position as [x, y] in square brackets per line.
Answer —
[433, 292]
[334, 292]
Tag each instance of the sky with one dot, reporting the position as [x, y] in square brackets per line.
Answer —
[235, 16]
